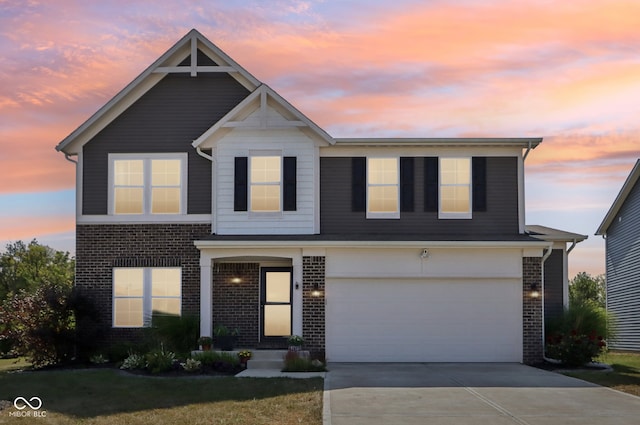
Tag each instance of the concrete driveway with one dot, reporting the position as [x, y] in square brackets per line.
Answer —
[478, 393]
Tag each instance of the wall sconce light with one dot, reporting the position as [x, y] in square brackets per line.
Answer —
[316, 290]
[236, 280]
[535, 293]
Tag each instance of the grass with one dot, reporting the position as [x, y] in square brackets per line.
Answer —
[108, 396]
[14, 364]
[625, 376]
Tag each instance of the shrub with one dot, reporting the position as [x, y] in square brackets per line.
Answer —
[134, 361]
[41, 324]
[579, 334]
[219, 362]
[159, 360]
[177, 333]
[293, 362]
[191, 365]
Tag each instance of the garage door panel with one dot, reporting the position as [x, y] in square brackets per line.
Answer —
[423, 320]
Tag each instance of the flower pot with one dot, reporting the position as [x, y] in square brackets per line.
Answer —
[206, 347]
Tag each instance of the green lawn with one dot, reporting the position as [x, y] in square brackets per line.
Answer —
[14, 364]
[625, 376]
[107, 396]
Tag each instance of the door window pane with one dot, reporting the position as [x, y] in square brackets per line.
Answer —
[278, 287]
[277, 320]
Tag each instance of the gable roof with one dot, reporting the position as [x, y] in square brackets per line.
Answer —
[169, 62]
[628, 185]
[259, 99]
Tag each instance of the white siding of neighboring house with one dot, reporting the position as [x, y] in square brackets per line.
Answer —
[285, 142]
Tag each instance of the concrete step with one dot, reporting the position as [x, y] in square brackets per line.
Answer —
[268, 354]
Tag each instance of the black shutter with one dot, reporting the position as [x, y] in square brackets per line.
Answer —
[358, 184]
[431, 184]
[479, 182]
[406, 184]
[240, 184]
[289, 183]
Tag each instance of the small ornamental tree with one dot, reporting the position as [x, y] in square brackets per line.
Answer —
[42, 324]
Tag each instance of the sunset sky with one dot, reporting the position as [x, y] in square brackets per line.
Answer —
[565, 71]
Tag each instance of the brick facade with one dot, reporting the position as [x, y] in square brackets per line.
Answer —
[101, 247]
[236, 288]
[313, 307]
[532, 347]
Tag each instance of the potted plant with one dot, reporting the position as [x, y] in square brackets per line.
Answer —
[205, 342]
[244, 356]
[295, 342]
[225, 338]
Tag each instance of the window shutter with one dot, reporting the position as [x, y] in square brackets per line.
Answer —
[358, 184]
[479, 181]
[431, 184]
[289, 171]
[240, 184]
[406, 184]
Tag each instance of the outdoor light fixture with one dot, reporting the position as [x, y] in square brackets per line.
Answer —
[534, 291]
[236, 280]
[316, 290]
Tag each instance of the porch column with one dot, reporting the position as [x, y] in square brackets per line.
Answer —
[296, 263]
[206, 315]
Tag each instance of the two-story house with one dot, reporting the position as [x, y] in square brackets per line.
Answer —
[200, 190]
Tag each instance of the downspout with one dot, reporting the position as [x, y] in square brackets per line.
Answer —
[68, 158]
[204, 155]
[573, 245]
[527, 152]
[544, 258]
[212, 158]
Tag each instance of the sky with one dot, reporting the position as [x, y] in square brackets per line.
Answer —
[565, 71]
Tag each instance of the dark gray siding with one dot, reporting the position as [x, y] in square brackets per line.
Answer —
[501, 217]
[166, 119]
[553, 283]
[623, 272]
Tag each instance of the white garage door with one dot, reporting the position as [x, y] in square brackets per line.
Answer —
[373, 320]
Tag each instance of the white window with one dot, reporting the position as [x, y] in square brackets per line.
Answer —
[455, 188]
[383, 194]
[137, 292]
[147, 184]
[265, 178]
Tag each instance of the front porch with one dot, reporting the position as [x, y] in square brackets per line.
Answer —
[265, 297]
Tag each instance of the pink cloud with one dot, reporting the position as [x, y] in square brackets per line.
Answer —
[27, 228]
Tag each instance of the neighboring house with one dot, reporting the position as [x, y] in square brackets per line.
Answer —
[621, 230]
[200, 190]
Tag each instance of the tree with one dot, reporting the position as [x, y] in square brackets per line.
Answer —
[25, 267]
[585, 288]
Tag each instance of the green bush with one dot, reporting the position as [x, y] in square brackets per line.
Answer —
[177, 333]
[134, 361]
[579, 335]
[213, 358]
[159, 360]
[294, 363]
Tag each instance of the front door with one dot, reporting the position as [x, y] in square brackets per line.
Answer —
[275, 303]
